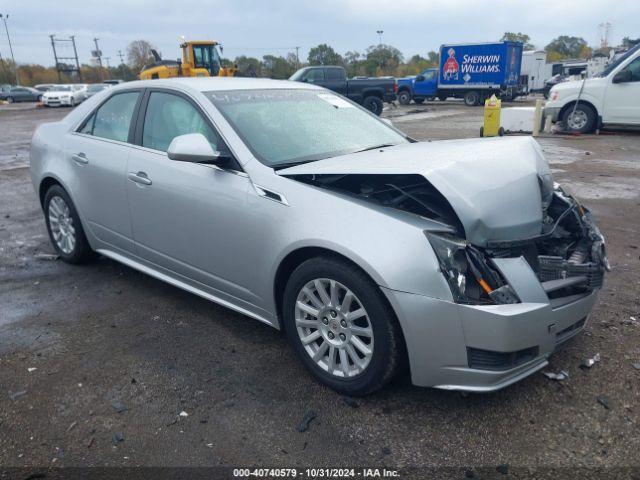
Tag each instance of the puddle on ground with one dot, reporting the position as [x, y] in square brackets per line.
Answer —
[558, 155]
[605, 189]
[410, 117]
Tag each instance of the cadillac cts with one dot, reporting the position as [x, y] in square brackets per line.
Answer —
[460, 260]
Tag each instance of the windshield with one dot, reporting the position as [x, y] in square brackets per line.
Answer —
[61, 88]
[284, 127]
[612, 66]
[206, 56]
[297, 76]
[96, 88]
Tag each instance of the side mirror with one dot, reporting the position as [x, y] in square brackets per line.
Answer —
[195, 148]
[623, 76]
[420, 78]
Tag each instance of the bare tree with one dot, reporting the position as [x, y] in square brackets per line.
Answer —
[139, 54]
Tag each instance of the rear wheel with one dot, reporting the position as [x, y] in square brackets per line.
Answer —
[64, 227]
[471, 98]
[581, 120]
[404, 97]
[341, 327]
[373, 104]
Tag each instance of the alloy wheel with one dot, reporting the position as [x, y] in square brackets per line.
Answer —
[334, 327]
[61, 224]
[577, 120]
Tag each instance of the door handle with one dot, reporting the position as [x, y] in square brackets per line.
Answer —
[80, 158]
[139, 177]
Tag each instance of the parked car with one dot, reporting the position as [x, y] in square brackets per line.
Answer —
[298, 208]
[44, 87]
[4, 91]
[61, 95]
[95, 88]
[368, 92]
[23, 94]
[611, 98]
[114, 81]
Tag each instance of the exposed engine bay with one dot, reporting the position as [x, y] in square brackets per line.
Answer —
[568, 255]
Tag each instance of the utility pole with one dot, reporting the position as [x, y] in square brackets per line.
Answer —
[297, 57]
[62, 66]
[75, 52]
[98, 54]
[15, 67]
[121, 55]
[380, 32]
[55, 56]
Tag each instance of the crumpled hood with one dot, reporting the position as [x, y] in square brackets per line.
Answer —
[493, 184]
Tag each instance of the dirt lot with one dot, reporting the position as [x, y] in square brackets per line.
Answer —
[98, 361]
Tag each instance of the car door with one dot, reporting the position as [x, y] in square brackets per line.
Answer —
[187, 217]
[98, 151]
[19, 94]
[336, 80]
[622, 99]
[425, 84]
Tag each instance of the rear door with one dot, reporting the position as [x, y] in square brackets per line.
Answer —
[98, 153]
[336, 80]
[622, 100]
[188, 218]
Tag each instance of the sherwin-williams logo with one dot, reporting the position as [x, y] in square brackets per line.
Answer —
[451, 67]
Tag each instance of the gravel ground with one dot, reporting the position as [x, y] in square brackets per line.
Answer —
[98, 362]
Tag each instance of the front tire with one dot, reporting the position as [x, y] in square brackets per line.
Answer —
[341, 326]
[373, 104]
[583, 120]
[404, 97]
[64, 227]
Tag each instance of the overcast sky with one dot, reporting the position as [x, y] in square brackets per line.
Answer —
[256, 28]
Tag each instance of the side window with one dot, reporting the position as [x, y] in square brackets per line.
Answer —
[113, 118]
[335, 74]
[634, 67]
[429, 75]
[315, 75]
[169, 116]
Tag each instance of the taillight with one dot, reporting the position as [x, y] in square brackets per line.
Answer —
[395, 87]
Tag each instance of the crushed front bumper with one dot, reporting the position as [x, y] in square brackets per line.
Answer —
[483, 348]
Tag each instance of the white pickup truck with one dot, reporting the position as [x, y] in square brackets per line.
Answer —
[611, 98]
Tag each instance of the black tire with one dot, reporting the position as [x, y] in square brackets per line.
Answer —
[10, 100]
[404, 97]
[373, 104]
[81, 252]
[39, 99]
[419, 100]
[388, 354]
[582, 111]
[471, 98]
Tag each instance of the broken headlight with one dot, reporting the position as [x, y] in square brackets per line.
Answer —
[470, 278]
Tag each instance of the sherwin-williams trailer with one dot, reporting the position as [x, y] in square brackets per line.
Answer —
[470, 71]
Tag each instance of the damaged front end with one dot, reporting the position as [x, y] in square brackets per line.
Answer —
[568, 255]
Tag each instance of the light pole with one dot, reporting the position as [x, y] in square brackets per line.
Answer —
[6, 29]
[380, 32]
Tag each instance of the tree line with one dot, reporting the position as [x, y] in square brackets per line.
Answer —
[376, 60]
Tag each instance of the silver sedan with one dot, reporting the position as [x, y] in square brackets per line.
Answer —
[459, 260]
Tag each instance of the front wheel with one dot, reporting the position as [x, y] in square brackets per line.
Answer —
[581, 120]
[373, 104]
[341, 326]
[404, 97]
[64, 227]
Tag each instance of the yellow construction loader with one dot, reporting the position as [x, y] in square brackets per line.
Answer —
[199, 59]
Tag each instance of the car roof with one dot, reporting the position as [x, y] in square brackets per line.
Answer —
[208, 84]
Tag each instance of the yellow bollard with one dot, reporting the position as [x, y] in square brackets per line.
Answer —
[491, 126]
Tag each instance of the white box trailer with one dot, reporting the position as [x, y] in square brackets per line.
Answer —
[535, 70]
